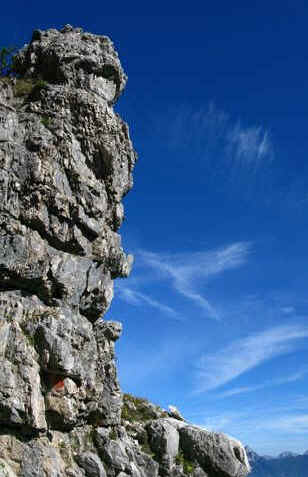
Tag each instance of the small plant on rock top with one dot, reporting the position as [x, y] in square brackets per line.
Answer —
[113, 434]
[46, 121]
[6, 60]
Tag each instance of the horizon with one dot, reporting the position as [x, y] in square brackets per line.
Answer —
[215, 310]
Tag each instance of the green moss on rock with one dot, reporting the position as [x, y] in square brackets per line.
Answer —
[188, 465]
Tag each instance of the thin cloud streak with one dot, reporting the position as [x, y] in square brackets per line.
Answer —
[137, 298]
[291, 424]
[185, 269]
[185, 272]
[275, 382]
[242, 355]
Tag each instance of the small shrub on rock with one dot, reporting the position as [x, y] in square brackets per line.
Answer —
[6, 60]
[188, 466]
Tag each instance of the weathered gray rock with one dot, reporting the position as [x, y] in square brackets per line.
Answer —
[66, 161]
[64, 174]
[58, 368]
[216, 453]
[91, 464]
[175, 413]
[121, 453]
[5, 469]
[164, 441]
[77, 58]
[180, 447]
[112, 451]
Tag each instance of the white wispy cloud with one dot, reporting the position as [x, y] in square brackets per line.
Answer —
[137, 298]
[212, 129]
[249, 145]
[295, 424]
[240, 356]
[274, 382]
[186, 269]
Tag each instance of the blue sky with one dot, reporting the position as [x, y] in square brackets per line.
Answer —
[215, 311]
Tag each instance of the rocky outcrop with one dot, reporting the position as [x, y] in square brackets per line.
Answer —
[66, 161]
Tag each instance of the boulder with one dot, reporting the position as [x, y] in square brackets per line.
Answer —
[164, 441]
[175, 413]
[216, 453]
[91, 464]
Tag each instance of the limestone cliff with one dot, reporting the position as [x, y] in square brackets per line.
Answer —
[66, 161]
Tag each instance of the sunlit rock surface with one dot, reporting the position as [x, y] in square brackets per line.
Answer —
[66, 161]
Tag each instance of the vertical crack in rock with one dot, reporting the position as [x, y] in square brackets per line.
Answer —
[66, 161]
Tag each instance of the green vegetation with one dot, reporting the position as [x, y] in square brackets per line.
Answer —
[188, 465]
[145, 447]
[30, 339]
[28, 336]
[135, 409]
[6, 60]
[46, 121]
[143, 440]
[27, 87]
[75, 444]
[40, 84]
[113, 434]
[138, 409]
[5, 79]
[23, 87]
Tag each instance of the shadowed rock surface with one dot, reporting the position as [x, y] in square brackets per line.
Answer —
[66, 161]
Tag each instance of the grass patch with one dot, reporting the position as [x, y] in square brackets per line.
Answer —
[46, 121]
[188, 465]
[6, 60]
[113, 434]
[90, 437]
[136, 409]
[30, 339]
[5, 79]
[145, 447]
[40, 84]
[28, 336]
[23, 87]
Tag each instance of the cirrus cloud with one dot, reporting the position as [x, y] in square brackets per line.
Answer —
[215, 370]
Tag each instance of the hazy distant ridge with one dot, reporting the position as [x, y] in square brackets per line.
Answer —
[287, 464]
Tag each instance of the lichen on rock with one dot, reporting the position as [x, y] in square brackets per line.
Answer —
[66, 161]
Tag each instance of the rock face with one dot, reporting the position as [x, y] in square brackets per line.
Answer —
[66, 161]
